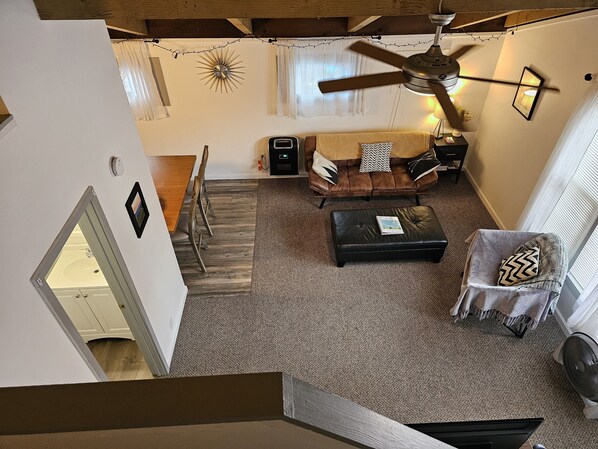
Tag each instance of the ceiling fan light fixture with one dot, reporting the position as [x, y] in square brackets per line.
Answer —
[418, 92]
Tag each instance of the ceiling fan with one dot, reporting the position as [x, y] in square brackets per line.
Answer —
[429, 73]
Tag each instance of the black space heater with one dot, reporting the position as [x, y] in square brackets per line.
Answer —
[284, 155]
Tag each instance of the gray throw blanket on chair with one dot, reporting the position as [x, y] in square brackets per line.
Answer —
[552, 267]
[527, 303]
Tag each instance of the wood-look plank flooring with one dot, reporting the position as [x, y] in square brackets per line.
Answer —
[229, 257]
[120, 359]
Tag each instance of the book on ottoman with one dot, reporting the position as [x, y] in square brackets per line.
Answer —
[389, 225]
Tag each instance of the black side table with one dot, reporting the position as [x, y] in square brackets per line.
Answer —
[450, 155]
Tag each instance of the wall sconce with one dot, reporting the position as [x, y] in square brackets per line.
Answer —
[439, 114]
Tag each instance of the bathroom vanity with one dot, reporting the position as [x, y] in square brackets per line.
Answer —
[83, 292]
[94, 312]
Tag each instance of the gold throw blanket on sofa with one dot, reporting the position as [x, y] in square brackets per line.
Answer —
[342, 146]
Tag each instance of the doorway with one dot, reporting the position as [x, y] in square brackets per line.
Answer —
[85, 283]
[80, 286]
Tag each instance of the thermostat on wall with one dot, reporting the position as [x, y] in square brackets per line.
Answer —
[117, 167]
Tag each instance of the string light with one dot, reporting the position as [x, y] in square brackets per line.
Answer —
[312, 43]
[487, 38]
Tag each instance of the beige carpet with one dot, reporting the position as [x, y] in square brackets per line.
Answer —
[379, 333]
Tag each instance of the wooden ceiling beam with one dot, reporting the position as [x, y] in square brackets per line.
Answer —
[130, 26]
[357, 23]
[243, 25]
[523, 17]
[221, 9]
[471, 18]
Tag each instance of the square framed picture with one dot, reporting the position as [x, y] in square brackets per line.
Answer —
[137, 209]
[527, 93]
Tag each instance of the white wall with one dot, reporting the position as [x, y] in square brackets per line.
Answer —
[60, 81]
[511, 152]
[237, 125]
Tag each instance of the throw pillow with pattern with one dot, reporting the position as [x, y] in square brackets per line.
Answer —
[324, 168]
[375, 157]
[423, 164]
[520, 267]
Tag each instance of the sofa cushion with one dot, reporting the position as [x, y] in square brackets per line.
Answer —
[398, 180]
[325, 168]
[350, 183]
[375, 157]
[359, 182]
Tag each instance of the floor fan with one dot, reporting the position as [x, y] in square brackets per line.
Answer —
[579, 355]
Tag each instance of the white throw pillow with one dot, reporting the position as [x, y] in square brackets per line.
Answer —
[325, 168]
[375, 157]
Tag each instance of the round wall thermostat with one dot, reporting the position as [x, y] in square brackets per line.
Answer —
[117, 167]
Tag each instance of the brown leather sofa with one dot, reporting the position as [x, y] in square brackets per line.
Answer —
[345, 151]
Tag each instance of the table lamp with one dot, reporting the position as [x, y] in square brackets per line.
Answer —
[439, 114]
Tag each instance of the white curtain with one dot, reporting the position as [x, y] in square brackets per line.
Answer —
[561, 167]
[138, 80]
[300, 69]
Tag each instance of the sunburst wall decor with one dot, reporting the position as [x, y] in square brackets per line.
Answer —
[221, 69]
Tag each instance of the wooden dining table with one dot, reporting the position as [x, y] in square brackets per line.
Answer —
[171, 175]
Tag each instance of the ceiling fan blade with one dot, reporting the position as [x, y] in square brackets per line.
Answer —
[509, 83]
[373, 51]
[447, 106]
[362, 82]
[461, 51]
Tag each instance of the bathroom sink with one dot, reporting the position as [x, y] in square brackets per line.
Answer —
[83, 270]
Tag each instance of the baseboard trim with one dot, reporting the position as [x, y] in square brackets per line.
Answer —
[259, 175]
[562, 323]
[484, 200]
[177, 324]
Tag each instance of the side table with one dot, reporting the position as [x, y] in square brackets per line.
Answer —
[450, 155]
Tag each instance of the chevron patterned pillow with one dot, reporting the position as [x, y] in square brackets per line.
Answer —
[375, 157]
[519, 267]
[324, 168]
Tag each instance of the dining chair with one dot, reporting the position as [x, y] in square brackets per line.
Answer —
[203, 192]
[187, 227]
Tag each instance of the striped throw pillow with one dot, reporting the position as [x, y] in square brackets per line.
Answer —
[375, 157]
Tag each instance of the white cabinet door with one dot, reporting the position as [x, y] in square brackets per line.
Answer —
[104, 306]
[79, 312]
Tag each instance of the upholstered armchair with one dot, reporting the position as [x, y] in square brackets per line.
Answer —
[521, 306]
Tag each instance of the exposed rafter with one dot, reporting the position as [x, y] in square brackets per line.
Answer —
[243, 25]
[206, 9]
[133, 26]
[523, 17]
[357, 23]
[471, 18]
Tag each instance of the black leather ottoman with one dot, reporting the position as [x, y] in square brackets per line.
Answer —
[356, 235]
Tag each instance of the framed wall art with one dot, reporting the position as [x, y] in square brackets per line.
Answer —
[527, 93]
[137, 209]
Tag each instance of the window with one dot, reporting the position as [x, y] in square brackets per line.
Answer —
[575, 217]
[138, 80]
[301, 68]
